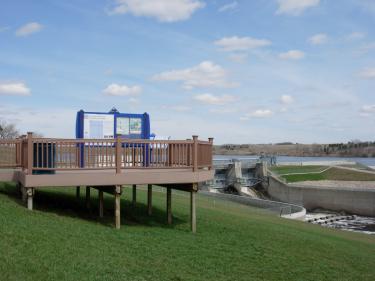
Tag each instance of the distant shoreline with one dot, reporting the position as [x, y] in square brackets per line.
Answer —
[363, 150]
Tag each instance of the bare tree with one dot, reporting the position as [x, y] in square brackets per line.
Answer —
[8, 130]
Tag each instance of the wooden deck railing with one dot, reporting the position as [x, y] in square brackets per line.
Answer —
[45, 154]
[10, 153]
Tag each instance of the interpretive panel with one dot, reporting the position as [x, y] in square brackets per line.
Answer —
[122, 127]
[135, 126]
[98, 126]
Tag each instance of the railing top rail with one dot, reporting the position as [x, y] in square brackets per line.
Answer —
[204, 142]
[10, 140]
[122, 140]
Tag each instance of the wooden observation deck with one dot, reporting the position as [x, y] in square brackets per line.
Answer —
[107, 165]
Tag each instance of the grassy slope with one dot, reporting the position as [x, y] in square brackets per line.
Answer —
[332, 174]
[233, 242]
[297, 169]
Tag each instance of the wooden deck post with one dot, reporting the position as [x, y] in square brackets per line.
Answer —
[169, 205]
[30, 153]
[195, 153]
[193, 211]
[134, 199]
[78, 191]
[117, 206]
[30, 195]
[211, 140]
[101, 203]
[149, 199]
[87, 197]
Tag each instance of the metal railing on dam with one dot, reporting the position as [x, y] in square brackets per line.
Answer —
[281, 209]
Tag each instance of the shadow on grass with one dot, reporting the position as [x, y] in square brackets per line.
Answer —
[63, 203]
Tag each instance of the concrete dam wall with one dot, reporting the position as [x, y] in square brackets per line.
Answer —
[356, 201]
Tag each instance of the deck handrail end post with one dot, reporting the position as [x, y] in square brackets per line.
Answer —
[195, 153]
[29, 153]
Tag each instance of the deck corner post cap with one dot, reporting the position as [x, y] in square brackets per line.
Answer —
[29, 133]
[195, 137]
[211, 139]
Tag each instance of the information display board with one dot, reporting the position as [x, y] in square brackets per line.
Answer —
[123, 126]
[99, 125]
[135, 126]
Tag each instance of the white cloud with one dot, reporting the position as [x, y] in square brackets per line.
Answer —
[318, 39]
[205, 74]
[239, 58]
[229, 6]
[122, 90]
[286, 99]
[134, 101]
[368, 73]
[4, 28]
[356, 35]
[223, 110]
[14, 89]
[178, 108]
[29, 28]
[260, 113]
[283, 110]
[295, 7]
[366, 5]
[214, 100]
[235, 43]
[162, 10]
[292, 55]
[367, 110]
[366, 48]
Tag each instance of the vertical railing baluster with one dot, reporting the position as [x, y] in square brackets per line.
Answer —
[118, 155]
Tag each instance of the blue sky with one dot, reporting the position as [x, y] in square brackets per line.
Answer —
[259, 71]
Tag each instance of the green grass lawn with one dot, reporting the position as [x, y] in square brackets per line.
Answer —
[357, 166]
[61, 240]
[281, 170]
[331, 174]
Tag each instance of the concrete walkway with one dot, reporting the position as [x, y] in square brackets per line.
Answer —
[363, 185]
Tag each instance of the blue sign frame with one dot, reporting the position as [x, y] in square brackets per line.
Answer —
[145, 128]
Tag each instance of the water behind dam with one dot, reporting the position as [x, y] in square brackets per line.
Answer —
[282, 159]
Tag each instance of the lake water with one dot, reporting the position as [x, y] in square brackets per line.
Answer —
[281, 159]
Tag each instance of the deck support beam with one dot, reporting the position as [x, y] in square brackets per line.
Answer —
[101, 203]
[193, 211]
[149, 199]
[87, 197]
[134, 199]
[30, 195]
[117, 206]
[169, 205]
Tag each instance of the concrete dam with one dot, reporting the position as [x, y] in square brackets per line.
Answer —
[248, 181]
[237, 176]
[240, 181]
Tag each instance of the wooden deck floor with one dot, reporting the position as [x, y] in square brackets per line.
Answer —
[107, 177]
